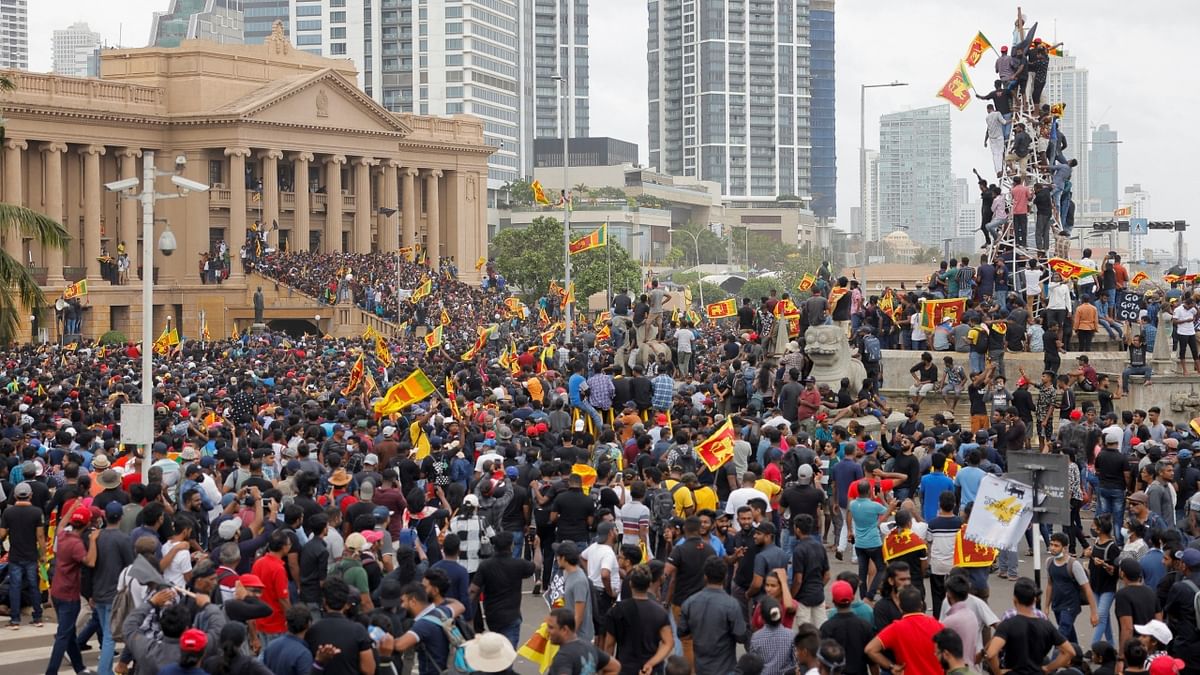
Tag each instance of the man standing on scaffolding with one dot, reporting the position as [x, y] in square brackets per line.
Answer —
[994, 137]
[1021, 149]
[1044, 203]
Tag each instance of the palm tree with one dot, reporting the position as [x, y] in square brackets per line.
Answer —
[18, 289]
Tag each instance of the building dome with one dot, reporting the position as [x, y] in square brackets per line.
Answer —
[901, 245]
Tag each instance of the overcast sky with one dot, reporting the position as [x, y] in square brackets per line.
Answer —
[1141, 63]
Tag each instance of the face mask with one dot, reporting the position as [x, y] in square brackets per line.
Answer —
[1062, 555]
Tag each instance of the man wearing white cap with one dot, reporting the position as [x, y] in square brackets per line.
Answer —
[487, 653]
[1154, 636]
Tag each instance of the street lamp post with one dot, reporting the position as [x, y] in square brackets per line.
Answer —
[565, 94]
[696, 242]
[862, 168]
[166, 243]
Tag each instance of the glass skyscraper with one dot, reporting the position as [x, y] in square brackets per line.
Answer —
[824, 127]
[915, 181]
[730, 94]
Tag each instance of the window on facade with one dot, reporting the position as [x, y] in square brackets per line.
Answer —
[454, 108]
[308, 25]
[337, 48]
[337, 32]
[308, 39]
[337, 17]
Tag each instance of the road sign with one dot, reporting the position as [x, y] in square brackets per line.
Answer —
[1139, 226]
[1048, 473]
[137, 423]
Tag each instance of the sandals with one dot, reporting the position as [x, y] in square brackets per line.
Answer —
[14, 626]
[38, 624]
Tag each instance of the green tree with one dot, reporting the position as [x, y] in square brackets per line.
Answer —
[520, 192]
[713, 249]
[19, 292]
[530, 257]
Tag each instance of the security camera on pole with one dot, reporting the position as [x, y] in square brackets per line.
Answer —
[138, 420]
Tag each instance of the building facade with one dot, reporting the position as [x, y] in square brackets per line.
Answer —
[596, 151]
[1138, 201]
[824, 109]
[1102, 174]
[74, 51]
[14, 34]
[915, 192]
[1067, 83]
[495, 59]
[730, 92]
[260, 16]
[280, 136]
[214, 20]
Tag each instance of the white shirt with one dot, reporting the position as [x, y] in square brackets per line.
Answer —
[742, 496]
[1033, 282]
[1188, 316]
[683, 338]
[495, 459]
[181, 564]
[917, 332]
[602, 557]
[210, 489]
[1090, 264]
[1059, 296]
[995, 126]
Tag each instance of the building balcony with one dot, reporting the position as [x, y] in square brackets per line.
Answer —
[220, 198]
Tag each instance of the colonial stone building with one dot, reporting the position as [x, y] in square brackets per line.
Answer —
[280, 135]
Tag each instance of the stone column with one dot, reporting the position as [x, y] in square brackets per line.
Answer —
[237, 211]
[389, 233]
[128, 210]
[91, 209]
[433, 218]
[332, 239]
[14, 194]
[270, 179]
[410, 207]
[362, 208]
[300, 222]
[53, 257]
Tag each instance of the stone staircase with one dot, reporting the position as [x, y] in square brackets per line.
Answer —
[341, 320]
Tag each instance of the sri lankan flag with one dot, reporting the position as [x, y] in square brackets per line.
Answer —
[548, 335]
[204, 334]
[412, 389]
[604, 333]
[717, 449]
[423, 291]
[722, 309]
[370, 333]
[75, 290]
[934, 312]
[452, 398]
[693, 316]
[976, 49]
[602, 318]
[569, 296]
[445, 317]
[899, 543]
[409, 253]
[969, 554]
[356, 376]
[543, 318]
[836, 294]
[163, 344]
[1069, 270]
[539, 649]
[233, 335]
[480, 263]
[1139, 278]
[516, 308]
[382, 352]
[1123, 211]
[595, 239]
[539, 194]
[806, 282]
[889, 306]
[957, 89]
[433, 340]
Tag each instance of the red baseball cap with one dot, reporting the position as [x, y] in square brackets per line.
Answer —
[251, 581]
[193, 640]
[1076, 415]
[81, 516]
[842, 592]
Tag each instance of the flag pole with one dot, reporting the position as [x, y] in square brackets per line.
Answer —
[608, 259]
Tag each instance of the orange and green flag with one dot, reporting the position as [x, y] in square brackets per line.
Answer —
[717, 449]
[976, 49]
[1068, 269]
[423, 291]
[957, 89]
[594, 239]
[722, 309]
[412, 389]
[75, 290]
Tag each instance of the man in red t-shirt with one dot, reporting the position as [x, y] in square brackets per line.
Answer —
[1020, 209]
[69, 561]
[909, 638]
[270, 569]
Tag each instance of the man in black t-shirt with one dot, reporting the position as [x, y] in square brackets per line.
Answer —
[572, 511]
[335, 629]
[575, 657]
[639, 629]
[21, 524]
[1023, 640]
[1135, 603]
[498, 580]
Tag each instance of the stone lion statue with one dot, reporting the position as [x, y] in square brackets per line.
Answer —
[829, 350]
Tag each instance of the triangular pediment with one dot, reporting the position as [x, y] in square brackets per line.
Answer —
[322, 99]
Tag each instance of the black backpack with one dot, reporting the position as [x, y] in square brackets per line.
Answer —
[662, 507]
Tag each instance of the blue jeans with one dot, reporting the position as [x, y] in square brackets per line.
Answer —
[1104, 603]
[20, 575]
[787, 541]
[1135, 370]
[512, 632]
[1007, 562]
[976, 361]
[518, 543]
[1002, 299]
[108, 645]
[64, 638]
[1065, 617]
[597, 422]
[1112, 500]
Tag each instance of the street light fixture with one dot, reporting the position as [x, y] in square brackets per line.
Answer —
[696, 241]
[862, 168]
[565, 94]
[167, 245]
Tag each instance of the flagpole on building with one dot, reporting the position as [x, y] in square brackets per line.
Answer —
[608, 259]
